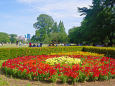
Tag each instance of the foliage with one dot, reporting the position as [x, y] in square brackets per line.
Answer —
[55, 28]
[75, 35]
[9, 53]
[46, 29]
[1, 61]
[34, 38]
[3, 82]
[78, 53]
[59, 37]
[43, 25]
[13, 38]
[103, 50]
[61, 27]
[98, 24]
[4, 37]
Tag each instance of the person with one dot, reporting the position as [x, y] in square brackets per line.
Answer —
[49, 44]
[40, 44]
[2, 43]
[30, 44]
[20, 43]
[16, 42]
[34, 45]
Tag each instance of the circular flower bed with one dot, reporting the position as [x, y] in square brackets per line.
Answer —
[50, 67]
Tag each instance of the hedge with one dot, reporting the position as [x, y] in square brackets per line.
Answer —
[108, 51]
[9, 53]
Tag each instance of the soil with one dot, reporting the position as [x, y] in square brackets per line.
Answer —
[19, 82]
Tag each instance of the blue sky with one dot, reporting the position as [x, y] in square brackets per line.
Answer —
[18, 16]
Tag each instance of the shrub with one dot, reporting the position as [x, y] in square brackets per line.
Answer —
[9, 53]
[108, 51]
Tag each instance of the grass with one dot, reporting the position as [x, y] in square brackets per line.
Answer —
[12, 45]
[3, 82]
[28, 84]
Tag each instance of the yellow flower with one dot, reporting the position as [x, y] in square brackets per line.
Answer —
[63, 60]
[78, 53]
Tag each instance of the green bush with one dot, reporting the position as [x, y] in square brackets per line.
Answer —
[9, 53]
[108, 51]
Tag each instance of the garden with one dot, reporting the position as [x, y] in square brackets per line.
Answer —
[59, 64]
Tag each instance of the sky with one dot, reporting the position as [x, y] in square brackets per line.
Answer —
[18, 16]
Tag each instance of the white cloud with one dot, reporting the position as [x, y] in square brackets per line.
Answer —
[58, 9]
[65, 10]
[62, 9]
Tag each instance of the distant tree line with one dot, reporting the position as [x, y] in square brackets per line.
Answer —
[48, 31]
[4, 37]
[98, 25]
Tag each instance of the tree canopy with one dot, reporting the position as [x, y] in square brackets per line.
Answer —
[47, 30]
[13, 38]
[98, 24]
[4, 37]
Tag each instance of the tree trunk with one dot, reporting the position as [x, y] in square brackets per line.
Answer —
[111, 39]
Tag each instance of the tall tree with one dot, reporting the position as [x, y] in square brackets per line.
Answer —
[75, 35]
[63, 36]
[55, 28]
[61, 27]
[98, 23]
[46, 28]
[43, 26]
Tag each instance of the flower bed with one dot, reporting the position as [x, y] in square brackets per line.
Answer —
[90, 68]
[78, 53]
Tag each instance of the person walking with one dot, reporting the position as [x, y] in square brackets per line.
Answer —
[16, 42]
[20, 43]
[30, 44]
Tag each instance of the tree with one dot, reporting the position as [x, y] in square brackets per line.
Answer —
[43, 26]
[61, 27]
[48, 31]
[13, 38]
[62, 34]
[63, 38]
[75, 35]
[99, 21]
[58, 37]
[55, 28]
[4, 37]
[34, 38]
[55, 37]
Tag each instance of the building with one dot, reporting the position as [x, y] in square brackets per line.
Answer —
[27, 36]
[20, 38]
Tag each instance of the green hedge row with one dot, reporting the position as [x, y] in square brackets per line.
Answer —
[108, 51]
[9, 53]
